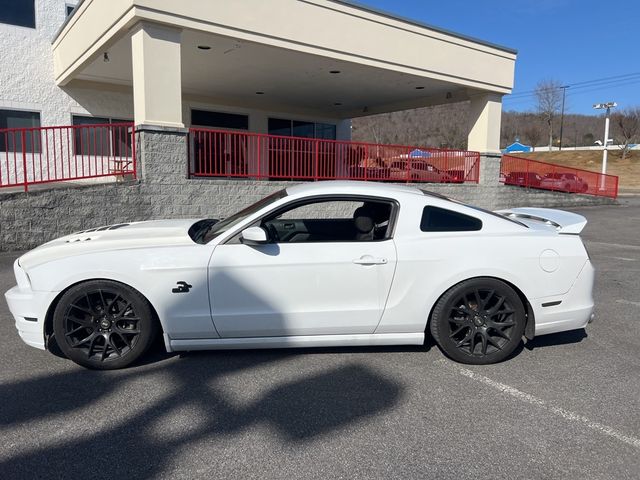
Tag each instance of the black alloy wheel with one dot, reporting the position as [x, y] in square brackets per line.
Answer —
[478, 321]
[103, 325]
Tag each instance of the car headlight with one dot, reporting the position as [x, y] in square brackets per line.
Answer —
[21, 277]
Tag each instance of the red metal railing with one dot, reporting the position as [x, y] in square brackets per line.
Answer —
[31, 156]
[529, 173]
[220, 153]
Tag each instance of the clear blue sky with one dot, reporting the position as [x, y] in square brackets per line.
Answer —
[573, 41]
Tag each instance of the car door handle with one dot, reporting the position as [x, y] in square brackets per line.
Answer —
[369, 260]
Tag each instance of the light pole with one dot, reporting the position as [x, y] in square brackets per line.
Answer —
[564, 94]
[608, 106]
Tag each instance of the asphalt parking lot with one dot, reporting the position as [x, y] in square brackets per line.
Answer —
[565, 406]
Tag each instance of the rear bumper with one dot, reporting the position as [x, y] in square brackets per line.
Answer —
[29, 309]
[575, 310]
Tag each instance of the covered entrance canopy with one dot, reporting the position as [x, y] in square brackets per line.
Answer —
[323, 58]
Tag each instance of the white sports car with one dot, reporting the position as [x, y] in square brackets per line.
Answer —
[318, 264]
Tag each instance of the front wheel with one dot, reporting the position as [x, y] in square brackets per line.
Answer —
[478, 321]
[103, 325]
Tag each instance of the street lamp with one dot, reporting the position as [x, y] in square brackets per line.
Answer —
[608, 106]
[564, 94]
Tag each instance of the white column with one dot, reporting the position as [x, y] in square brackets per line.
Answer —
[157, 81]
[485, 115]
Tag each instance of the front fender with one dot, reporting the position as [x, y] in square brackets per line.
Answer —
[155, 273]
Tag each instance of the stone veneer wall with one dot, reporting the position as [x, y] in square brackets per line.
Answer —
[29, 219]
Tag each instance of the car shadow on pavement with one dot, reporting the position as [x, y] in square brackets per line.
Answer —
[553, 339]
[141, 440]
[132, 423]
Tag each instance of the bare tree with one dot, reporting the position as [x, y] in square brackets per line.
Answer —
[548, 95]
[626, 124]
[533, 134]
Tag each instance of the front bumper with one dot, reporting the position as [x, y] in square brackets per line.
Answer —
[29, 309]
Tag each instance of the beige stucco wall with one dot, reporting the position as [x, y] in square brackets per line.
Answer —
[27, 81]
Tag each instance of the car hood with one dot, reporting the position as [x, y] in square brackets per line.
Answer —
[152, 233]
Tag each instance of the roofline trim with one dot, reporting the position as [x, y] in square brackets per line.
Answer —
[67, 20]
[393, 16]
[359, 6]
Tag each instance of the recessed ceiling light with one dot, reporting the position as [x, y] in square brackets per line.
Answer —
[334, 71]
[204, 47]
[419, 88]
[259, 93]
[337, 104]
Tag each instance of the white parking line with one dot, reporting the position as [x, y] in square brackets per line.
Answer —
[625, 259]
[561, 412]
[613, 245]
[628, 302]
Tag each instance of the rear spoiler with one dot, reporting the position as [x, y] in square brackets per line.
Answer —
[564, 222]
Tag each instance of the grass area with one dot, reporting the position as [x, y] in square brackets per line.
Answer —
[628, 169]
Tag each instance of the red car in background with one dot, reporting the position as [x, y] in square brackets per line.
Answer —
[564, 182]
[417, 171]
[523, 179]
[456, 176]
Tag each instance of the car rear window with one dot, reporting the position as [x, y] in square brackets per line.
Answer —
[435, 219]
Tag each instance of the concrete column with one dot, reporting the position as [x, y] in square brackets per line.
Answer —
[157, 80]
[485, 115]
[162, 156]
[490, 169]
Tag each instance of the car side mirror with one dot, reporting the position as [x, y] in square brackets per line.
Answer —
[254, 236]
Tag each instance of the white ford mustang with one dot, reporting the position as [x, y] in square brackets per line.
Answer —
[319, 264]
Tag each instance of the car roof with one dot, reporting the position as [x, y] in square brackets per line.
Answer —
[351, 187]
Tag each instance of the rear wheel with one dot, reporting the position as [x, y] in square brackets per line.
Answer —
[478, 321]
[101, 324]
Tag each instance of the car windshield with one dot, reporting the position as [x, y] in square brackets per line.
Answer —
[211, 231]
[555, 176]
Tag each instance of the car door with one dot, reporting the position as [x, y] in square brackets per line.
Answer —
[318, 275]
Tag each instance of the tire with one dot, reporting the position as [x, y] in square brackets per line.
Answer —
[478, 321]
[103, 325]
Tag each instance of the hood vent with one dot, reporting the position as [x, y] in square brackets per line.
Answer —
[102, 229]
[79, 240]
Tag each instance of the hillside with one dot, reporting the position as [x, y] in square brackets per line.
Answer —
[446, 126]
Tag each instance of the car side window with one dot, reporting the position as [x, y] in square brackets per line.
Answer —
[435, 219]
[328, 220]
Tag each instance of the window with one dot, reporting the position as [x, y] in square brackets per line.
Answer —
[102, 140]
[325, 131]
[278, 126]
[12, 141]
[21, 13]
[233, 121]
[296, 128]
[330, 220]
[436, 219]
